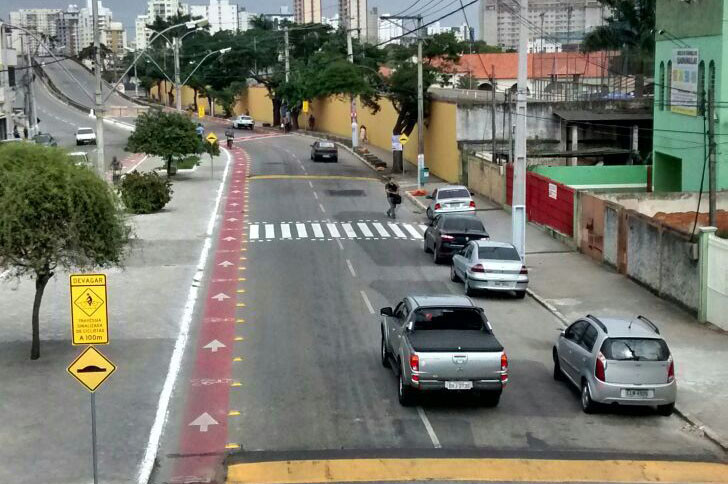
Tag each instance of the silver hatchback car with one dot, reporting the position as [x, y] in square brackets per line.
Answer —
[490, 265]
[450, 199]
[615, 361]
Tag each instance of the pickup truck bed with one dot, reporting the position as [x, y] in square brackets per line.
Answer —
[454, 341]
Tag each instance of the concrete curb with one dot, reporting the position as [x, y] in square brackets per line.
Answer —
[696, 423]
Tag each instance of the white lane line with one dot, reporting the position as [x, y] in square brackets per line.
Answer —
[397, 231]
[351, 268]
[380, 228]
[270, 231]
[175, 362]
[140, 162]
[317, 232]
[322, 208]
[310, 184]
[428, 427]
[254, 231]
[315, 195]
[341, 246]
[367, 302]
[301, 229]
[333, 230]
[349, 231]
[423, 228]
[285, 231]
[412, 231]
[365, 230]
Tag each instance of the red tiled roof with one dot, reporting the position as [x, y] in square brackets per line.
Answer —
[594, 64]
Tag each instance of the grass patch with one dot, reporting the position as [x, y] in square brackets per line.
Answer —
[188, 163]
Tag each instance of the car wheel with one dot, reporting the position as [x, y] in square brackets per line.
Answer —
[558, 374]
[405, 393]
[436, 257]
[78, 143]
[490, 399]
[453, 275]
[520, 294]
[425, 246]
[666, 410]
[468, 290]
[385, 354]
[587, 404]
[429, 213]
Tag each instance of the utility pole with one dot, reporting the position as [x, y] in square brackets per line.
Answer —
[177, 86]
[285, 55]
[350, 56]
[492, 111]
[712, 184]
[420, 109]
[98, 104]
[5, 82]
[519, 168]
[136, 82]
[32, 116]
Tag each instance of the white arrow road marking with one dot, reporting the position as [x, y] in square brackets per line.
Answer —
[234, 204]
[220, 297]
[225, 263]
[232, 219]
[228, 238]
[235, 191]
[214, 345]
[203, 421]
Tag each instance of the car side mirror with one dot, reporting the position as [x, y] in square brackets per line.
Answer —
[387, 312]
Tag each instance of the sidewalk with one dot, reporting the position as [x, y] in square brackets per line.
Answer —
[571, 285]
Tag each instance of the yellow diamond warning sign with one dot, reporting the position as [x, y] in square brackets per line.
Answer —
[89, 319]
[91, 368]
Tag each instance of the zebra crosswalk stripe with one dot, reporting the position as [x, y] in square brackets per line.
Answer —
[364, 228]
[380, 228]
[397, 231]
[317, 232]
[270, 231]
[301, 229]
[333, 230]
[254, 231]
[412, 231]
[349, 230]
[285, 231]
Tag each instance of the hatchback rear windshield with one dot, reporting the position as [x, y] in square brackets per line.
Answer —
[448, 318]
[326, 144]
[498, 253]
[463, 224]
[635, 349]
[43, 138]
[85, 131]
[459, 193]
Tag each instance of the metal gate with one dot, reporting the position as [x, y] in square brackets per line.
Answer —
[717, 283]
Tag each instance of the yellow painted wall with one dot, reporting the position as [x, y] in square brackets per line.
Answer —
[188, 98]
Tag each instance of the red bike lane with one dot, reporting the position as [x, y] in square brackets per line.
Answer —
[203, 435]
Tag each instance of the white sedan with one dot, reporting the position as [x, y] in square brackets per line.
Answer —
[244, 122]
[85, 136]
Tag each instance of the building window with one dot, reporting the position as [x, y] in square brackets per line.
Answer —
[661, 101]
[668, 85]
[701, 88]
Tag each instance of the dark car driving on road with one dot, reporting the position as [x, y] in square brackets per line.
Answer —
[447, 234]
[325, 150]
[45, 139]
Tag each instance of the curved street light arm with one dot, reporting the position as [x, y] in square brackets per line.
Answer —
[221, 52]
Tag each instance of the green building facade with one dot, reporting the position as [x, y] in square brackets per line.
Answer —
[689, 61]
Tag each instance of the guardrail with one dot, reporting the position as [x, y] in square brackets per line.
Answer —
[57, 92]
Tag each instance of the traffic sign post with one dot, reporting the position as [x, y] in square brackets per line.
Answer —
[211, 139]
[200, 111]
[89, 315]
[403, 138]
[91, 369]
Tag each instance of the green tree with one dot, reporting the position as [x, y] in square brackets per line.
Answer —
[167, 135]
[467, 82]
[54, 215]
[630, 29]
[89, 53]
[479, 47]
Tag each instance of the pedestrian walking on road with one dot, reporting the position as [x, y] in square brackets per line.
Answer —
[393, 197]
[200, 130]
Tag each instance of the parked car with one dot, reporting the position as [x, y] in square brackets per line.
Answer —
[448, 234]
[80, 158]
[243, 122]
[85, 136]
[45, 139]
[490, 265]
[450, 199]
[617, 361]
[325, 150]
[442, 343]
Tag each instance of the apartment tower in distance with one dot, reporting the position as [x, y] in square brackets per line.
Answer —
[354, 12]
[307, 11]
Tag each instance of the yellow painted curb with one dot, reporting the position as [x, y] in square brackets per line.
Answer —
[487, 470]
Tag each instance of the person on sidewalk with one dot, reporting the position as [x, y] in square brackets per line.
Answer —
[200, 130]
[393, 197]
[16, 133]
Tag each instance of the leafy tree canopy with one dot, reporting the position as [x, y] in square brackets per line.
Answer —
[167, 135]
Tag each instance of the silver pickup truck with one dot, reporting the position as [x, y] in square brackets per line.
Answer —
[442, 343]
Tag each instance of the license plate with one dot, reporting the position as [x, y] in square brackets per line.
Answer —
[327, 156]
[632, 393]
[500, 283]
[459, 385]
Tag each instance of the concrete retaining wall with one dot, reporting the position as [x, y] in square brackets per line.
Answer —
[487, 179]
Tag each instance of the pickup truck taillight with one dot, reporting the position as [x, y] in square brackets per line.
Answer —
[504, 367]
[415, 362]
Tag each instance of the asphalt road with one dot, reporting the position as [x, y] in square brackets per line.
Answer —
[305, 378]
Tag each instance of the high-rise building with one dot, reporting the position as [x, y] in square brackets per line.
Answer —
[390, 28]
[86, 24]
[116, 38]
[67, 31]
[307, 11]
[373, 26]
[41, 22]
[558, 21]
[354, 14]
[220, 13]
[164, 9]
[244, 18]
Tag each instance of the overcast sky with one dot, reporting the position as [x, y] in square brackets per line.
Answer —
[126, 10]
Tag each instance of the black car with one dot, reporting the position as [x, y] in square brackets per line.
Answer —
[448, 234]
[325, 150]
